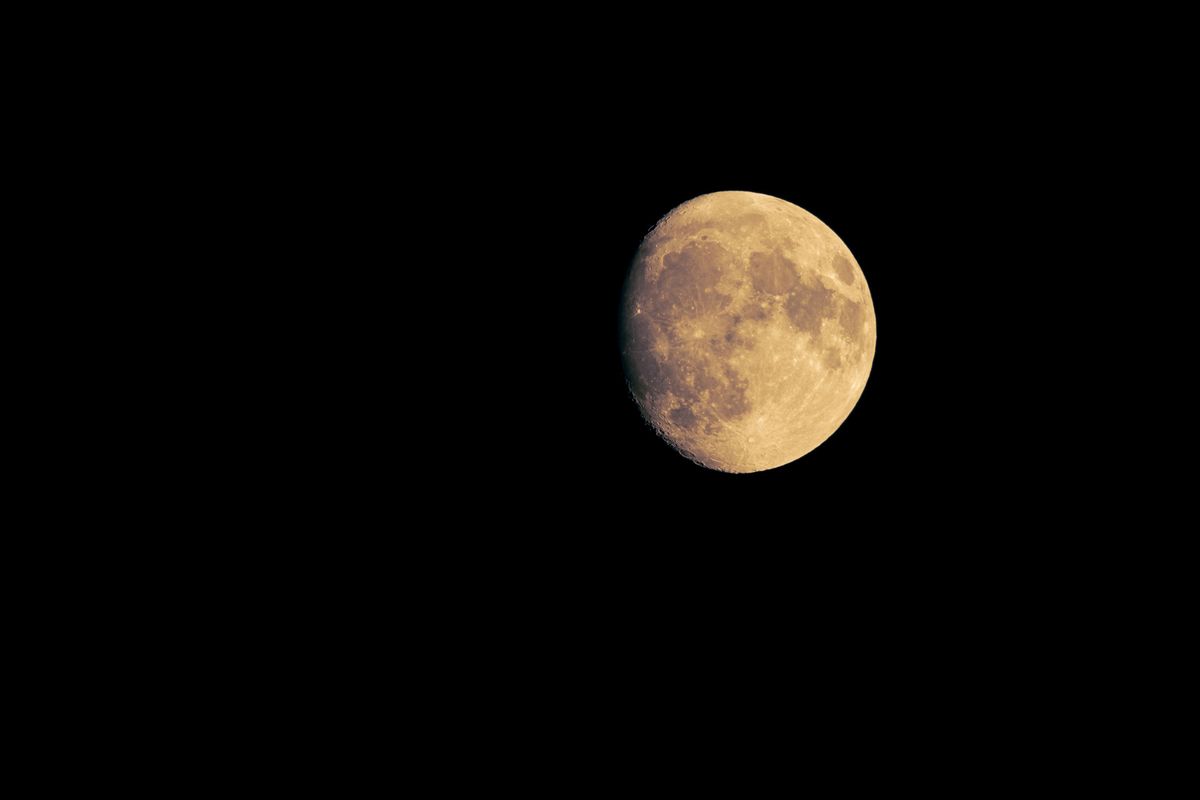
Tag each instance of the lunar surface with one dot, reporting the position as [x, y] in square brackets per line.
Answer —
[748, 331]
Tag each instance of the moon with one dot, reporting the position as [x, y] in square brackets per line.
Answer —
[748, 331]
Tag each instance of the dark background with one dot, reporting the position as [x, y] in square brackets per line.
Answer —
[421, 476]
[449, 479]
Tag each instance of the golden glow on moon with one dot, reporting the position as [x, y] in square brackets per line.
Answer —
[748, 331]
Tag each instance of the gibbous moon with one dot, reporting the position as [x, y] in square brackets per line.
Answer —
[748, 331]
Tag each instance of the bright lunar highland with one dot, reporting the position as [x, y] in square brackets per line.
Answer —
[748, 331]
